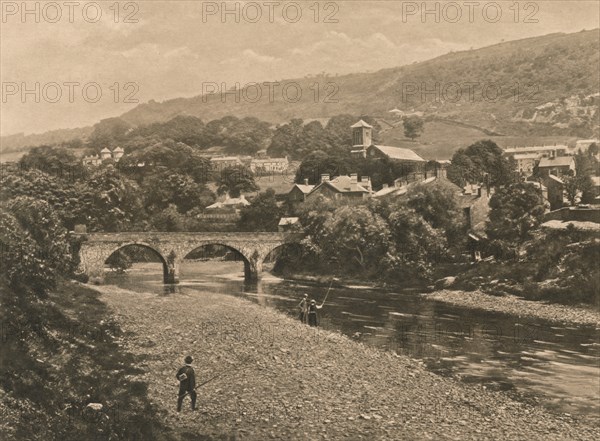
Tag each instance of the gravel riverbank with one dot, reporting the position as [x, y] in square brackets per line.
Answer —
[283, 380]
[520, 307]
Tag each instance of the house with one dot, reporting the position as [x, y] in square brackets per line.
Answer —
[93, 160]
[342, 187]
[548, 151]
[526, 162]
[557, 166]
[287, 224]
[527, 158]
[362, 145]
[299, 192]
[230, 203]
[219, 163]
[269, 165]
[118, 153]
[105, 155]
[556, 189]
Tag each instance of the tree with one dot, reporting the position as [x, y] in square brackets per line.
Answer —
[438, 204]
[248, 136]
[262, 215]
[59, 194]
[357, 237]
[579, 188]
[416, 245]
[56, 161]
[183, 128]
[21, 259]
[235, 181]
[413, 127]
[318, 163]
[516, 211]
[479, 162]
[109, 132]
[34, 248]
[109, 201]
[171, 187]
[286, 139]
[169, 219]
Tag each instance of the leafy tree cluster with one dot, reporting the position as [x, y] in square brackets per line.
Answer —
[115, 197]
[298, 140]
[33, 244]
[398, 239]
[240, 136]
[481, 162]
[413, 126]
[516, 211]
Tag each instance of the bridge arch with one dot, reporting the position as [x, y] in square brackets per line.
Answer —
[155, 251]
[245, 260]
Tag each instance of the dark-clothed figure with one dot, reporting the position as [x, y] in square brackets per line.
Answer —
[187, 383]
[312, 313]
[303, 308]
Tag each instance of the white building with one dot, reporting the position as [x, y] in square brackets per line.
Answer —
[269, 165]
[105, 155]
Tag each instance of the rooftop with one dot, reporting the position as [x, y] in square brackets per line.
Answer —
[560, 161]
[579, 225]
[540, 148]
[270, 160]
[345, 184]
[399, 153]
[361, 123]
[224, 158]
[287, 221]
[305, 188]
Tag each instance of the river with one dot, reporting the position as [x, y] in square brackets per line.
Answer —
[542, 362]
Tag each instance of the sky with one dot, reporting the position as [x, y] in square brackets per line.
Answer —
[67, 66]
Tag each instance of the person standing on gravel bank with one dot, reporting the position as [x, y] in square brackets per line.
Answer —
[187, 383]
[303, 308]
[312, 313]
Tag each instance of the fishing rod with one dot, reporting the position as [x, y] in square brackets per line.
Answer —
[328, 289]
[245, 364]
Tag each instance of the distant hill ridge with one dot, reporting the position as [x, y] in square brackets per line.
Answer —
[530, 72]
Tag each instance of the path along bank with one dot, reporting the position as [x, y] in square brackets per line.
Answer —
[284, 380]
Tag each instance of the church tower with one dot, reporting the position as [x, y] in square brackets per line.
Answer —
[361, 138]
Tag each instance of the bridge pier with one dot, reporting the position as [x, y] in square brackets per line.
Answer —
[253, 270]
[171, 270]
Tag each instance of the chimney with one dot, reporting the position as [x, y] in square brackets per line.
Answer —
[305, 181]
[324, 178]
[354, 178]
[385, 186]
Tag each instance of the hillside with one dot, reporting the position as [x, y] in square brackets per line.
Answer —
[560, 69]
[549, 86]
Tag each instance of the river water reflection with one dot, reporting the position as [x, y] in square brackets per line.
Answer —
[536, 360]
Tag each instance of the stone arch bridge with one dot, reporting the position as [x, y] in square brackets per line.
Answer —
[172, 248]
